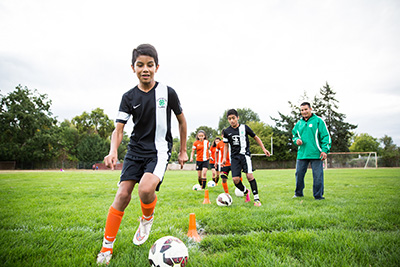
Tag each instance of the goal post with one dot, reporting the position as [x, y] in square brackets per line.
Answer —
[351, 160]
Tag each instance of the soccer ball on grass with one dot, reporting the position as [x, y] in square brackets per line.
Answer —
[211, 184]
[224, 200]
[238, 193]
[196, 187]
[168, 251]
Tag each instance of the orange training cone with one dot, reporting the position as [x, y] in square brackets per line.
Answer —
[192, 233]
[206, 197]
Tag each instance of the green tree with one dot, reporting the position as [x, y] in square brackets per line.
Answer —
[364, 143]
[68, 141]
[245, 115]
[175, 150]
[27, 126]
[326, 107]
[96, 122]
[92, 148]
[123, 147]
[264, 132]
[390, 152]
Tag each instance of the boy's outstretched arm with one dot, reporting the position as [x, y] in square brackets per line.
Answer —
[182, 156]
[260, 143]
[116, 138]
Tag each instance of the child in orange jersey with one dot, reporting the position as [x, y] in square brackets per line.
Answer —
[200, 146]
[226, 168]
[150, 104]
[213, 160]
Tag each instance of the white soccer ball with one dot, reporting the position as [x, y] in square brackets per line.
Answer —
[224, 200]
[238, 193]
[196, 187]
[211, 184]
[168, 251]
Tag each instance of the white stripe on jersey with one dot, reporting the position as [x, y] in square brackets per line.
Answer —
[205, 148]
[160, 142]
[242, 136]
[123, 116]
[316, 140]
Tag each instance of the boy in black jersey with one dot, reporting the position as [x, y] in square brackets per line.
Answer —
[150, 104]
[236, 136]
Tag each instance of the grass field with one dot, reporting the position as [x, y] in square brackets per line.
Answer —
[57, 219]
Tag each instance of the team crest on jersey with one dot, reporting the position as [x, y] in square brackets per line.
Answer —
[161, 102]
[310, 125]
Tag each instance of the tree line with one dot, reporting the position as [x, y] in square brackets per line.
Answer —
[34, 138]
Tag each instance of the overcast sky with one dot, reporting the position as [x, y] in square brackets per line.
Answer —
[216, 54]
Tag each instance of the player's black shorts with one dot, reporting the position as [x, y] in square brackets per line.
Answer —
[226, 170]
[201, 164]
[212, 165]
[134, 168]
[239, 163]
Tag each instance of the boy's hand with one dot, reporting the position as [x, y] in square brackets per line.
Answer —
[266, 152]
[182, 158]
[111, 160]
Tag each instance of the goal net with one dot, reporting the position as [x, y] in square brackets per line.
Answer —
[351, 160]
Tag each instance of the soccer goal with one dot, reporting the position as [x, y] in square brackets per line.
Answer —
[351, 160]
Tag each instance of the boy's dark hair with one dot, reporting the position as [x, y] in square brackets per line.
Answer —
[232, 112]
[144, 50]
[305, 104]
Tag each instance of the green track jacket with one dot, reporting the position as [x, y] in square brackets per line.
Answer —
[315, 137]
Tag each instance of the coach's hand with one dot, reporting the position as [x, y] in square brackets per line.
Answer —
[111, 160]
[299, 142]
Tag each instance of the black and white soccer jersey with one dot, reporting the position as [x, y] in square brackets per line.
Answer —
[238, 139]
[151, 115]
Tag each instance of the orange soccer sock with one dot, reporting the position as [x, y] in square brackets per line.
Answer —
[148, 209]
[113, 222]
[225, 186]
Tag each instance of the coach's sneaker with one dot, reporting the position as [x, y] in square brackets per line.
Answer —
[257, 203]
[143, 231]
[247, 196]
[103, 258]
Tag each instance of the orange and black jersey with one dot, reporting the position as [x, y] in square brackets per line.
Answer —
[220, 151]
[151, 115]
[201, 148]
[213, 160]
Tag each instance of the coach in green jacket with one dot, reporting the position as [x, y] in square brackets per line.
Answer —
[312, 137]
